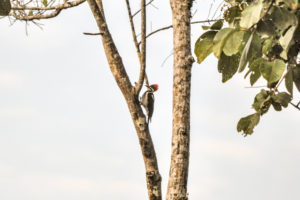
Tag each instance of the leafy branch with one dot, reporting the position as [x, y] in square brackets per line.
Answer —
[262, 36]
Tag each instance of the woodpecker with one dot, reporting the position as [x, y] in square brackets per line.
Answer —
[147, 100]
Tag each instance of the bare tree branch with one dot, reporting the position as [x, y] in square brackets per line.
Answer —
[137, 12]
[92, 33]
[133, 29]
[55, 7]
[112, 54]
[296, 106]
[171, 26]
[36, 17]
[143, 47]
[146, 78]
[136, 43]
[29, 13]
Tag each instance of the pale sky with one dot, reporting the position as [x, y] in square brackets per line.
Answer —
[66, 133]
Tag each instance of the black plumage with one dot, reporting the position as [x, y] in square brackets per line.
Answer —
[147, 100]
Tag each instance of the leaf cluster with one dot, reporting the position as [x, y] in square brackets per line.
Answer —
[262, 36]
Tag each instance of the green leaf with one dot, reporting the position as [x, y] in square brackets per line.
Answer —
[262, 102]
[217, 25]
[208, 34]
[251, 15]
[285, 41]
[254, 77]
[272, 71]
[204, 45]
[233, 43]
[276, 106]
[5, 7]
[202, 49]
[254, 69]
[247, 124]
[45, 3]
[232, 15]
[30, 13]
[244, 56]
[267, 46]
[228, 66]
[265, 28]
[255, 48]
[283, 98]
[220, 40]
[289, 82]
[296, 77]
[205, 27]
[282, 19]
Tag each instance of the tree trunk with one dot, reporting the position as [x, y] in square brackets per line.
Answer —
[183, 60]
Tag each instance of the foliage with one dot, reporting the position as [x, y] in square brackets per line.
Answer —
[264, 37]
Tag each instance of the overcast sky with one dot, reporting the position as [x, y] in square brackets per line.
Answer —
[66, 133]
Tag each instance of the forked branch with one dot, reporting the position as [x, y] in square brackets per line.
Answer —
[140, 52]
[296, 106]
[118, 70]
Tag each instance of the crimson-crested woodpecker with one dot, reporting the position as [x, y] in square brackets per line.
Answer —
[148, 100]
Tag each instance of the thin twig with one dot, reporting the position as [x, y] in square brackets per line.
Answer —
[92, 33]
[283, 77]
[39, 25]
[143, 47]
[135, 38]
[296, 106]
[36, 17]
[146, 79]
[59, 6]
[140, 9]
[153, 6]
[133, 29]
[171, 26]
[19, 13]
[165, 60]
[211, 5]
[217, 9]
[262, 86]
[291, 62]
[194, 13]
[204, 21]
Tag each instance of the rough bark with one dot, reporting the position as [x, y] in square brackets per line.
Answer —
[117, 68]
[183, 60]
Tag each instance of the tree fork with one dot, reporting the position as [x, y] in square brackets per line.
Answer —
[117, 68]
